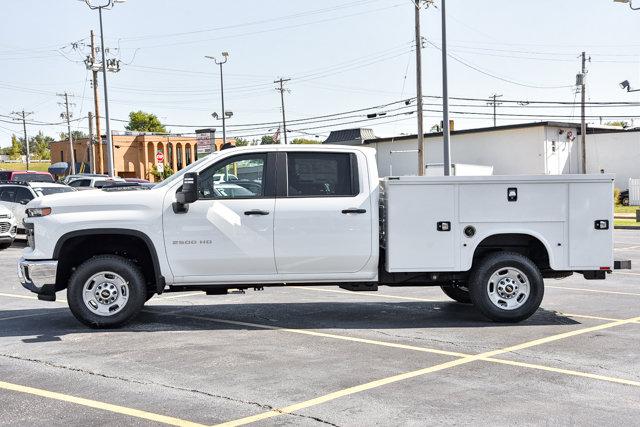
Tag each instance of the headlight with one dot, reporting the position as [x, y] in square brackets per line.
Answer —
[34, 212]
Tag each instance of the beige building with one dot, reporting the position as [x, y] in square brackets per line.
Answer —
[134, 153]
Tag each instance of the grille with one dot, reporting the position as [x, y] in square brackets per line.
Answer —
[4, 227]
[4, 215]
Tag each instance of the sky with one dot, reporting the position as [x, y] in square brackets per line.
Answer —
[340, 56]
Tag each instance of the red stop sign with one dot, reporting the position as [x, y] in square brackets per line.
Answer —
[159, 157]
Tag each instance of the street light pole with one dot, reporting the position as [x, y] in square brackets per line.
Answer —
[419, 88]
[109, 4]
[225, 55]
[106, 100]
[446, 155]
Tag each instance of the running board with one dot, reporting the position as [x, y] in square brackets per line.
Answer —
[356, 287]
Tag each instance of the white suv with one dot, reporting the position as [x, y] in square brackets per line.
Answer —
[8, 227]
[15, 195]
[93, 182]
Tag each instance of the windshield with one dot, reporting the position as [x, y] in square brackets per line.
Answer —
[178, 175]
[45, 191]
[32, 177]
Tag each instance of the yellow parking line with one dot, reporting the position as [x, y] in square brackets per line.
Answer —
[316, 334]
[97, 405]
[626, 249]
[563, 371]
[23, 316]
[420, 372]
[181, 295]
[2, 294]
[584, 316]
[601, 291]
[371, 294]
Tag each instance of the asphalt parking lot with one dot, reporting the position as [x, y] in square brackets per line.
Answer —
[310, 356]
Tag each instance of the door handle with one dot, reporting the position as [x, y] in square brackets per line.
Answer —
[354, 210]
[256, 212]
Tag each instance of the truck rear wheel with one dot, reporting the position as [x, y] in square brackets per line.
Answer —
[457, 293]
[106, 291]
[506, 287]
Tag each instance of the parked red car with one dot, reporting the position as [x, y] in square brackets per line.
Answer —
[26, 176]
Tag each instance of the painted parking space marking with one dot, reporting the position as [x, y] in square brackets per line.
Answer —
[97, 405]
[462, 358]
[22, 316]
[370, 294]
[630, 273]
[421, 372]
[601, 291]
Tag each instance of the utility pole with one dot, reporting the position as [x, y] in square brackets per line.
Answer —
[281, 89]
[419, 87]
[67, 116]
[90, 143]
[494, 103]
[23, 116]
[583, 124]
[99, 164]
[446, 145]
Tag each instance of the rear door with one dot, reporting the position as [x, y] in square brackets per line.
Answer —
[323, 214]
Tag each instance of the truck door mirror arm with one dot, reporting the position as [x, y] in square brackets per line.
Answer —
[187, 194]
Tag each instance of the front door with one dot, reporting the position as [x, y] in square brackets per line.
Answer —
[323, 221]
[227, 234]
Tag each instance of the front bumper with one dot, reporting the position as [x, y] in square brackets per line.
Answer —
[39, 277]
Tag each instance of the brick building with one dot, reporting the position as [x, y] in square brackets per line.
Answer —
[134, 153]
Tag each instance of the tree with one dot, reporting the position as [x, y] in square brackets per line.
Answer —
[267, 139]
[76, 134]
[242, 142]
[618, 123]
[305, 141]
[167, 172]
[16, 148]
[140, 121]
[39, 146]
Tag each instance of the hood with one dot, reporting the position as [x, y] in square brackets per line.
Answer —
[98, 200]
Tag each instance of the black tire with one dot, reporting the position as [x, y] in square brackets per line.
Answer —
[6, 245]
[457, 293]
[625, 201]
[127, 270]
[479, 286]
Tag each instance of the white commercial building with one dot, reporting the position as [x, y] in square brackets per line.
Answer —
[614, 151]
[549, 148]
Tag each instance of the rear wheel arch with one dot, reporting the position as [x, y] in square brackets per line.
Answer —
[75, 247]
[528, 245]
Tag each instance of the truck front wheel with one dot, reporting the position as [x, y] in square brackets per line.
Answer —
[106, 291]
[506, 287]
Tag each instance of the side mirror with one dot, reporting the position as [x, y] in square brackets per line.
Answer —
[188, 194]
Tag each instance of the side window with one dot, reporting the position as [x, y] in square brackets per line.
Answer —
[239, 177]
[321, 174]
[8, 194]
[23, 194]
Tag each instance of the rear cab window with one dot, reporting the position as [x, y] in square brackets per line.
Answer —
[314, 174]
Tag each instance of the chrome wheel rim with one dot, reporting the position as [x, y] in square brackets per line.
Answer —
[508, 288]
[105, 293]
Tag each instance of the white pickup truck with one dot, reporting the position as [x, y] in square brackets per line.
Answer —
[317, 215]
